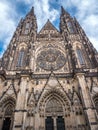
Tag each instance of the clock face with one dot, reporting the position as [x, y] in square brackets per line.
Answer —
[51, 59]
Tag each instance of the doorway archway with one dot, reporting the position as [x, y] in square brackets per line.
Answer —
[8, 117]
[54, 115]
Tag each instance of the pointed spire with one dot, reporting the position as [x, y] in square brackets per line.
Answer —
[31, 12]
[63, 12]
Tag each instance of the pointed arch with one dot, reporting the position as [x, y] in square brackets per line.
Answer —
[20, 58]
[8, 107]
[77, 46]
[7, 100]
[21, 55]
[95, 99]
[9, 110]
[70, 27]
[56, 95]
[80, 56]
[53, 106]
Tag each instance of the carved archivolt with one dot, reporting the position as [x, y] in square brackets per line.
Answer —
[95, 99]
[22, 46]
[7, 100]
[54, 95]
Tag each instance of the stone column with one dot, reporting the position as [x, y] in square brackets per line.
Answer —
[42, 122]
[37, 121]
[32, 122]
[55, 124]
[20, 110]
[87, 102]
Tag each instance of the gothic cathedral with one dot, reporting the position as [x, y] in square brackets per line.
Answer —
[49, 79]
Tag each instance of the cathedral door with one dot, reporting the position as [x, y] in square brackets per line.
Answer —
[49, 123]
[60, 123]
[8, 117]
[6, 123]
[54, 115]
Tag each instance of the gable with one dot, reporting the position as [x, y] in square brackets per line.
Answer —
[48, 27]
[49, 31]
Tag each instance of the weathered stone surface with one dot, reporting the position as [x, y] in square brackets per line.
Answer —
[49, 79]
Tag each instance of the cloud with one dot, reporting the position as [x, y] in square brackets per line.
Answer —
[87, 15]
[43, 12]
[7, 23]
[85, 11]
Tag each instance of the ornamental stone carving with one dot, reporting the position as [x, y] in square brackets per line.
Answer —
[51, 59]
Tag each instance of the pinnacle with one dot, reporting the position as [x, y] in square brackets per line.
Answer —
[63, 11]
[31, 12]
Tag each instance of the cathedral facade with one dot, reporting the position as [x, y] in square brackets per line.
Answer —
[49, 79]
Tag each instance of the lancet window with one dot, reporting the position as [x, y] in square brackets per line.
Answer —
[20, 58]
[70, 27]
[27, 26]
[80, 56]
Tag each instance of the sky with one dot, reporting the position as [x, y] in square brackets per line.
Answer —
[11, 11]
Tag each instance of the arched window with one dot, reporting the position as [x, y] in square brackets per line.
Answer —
[20, 58]
[27, 26]
[80, 56]
[70, 27]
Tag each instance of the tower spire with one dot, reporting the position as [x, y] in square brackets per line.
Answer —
[31, 12]
[64, 12]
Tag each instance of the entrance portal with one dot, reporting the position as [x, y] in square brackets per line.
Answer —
[54, 115]
[49, 123]
[8, 117]
[60, 123]
[6, 123]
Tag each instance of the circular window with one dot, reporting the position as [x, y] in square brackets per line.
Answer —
[51, 59]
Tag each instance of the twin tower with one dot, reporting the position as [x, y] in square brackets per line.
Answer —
[49, 79]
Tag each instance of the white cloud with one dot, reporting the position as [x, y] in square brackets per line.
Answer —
[7, 23]
[87, 15]
[44, 12]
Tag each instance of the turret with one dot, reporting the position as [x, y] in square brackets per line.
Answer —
[18, 51]
[82, 52]
[66, 22]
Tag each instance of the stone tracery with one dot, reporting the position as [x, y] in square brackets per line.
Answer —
[51, 59]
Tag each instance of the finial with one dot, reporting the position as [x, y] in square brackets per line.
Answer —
[32, 10]
[63, 11]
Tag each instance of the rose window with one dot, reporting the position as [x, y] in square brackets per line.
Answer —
[51, 59]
